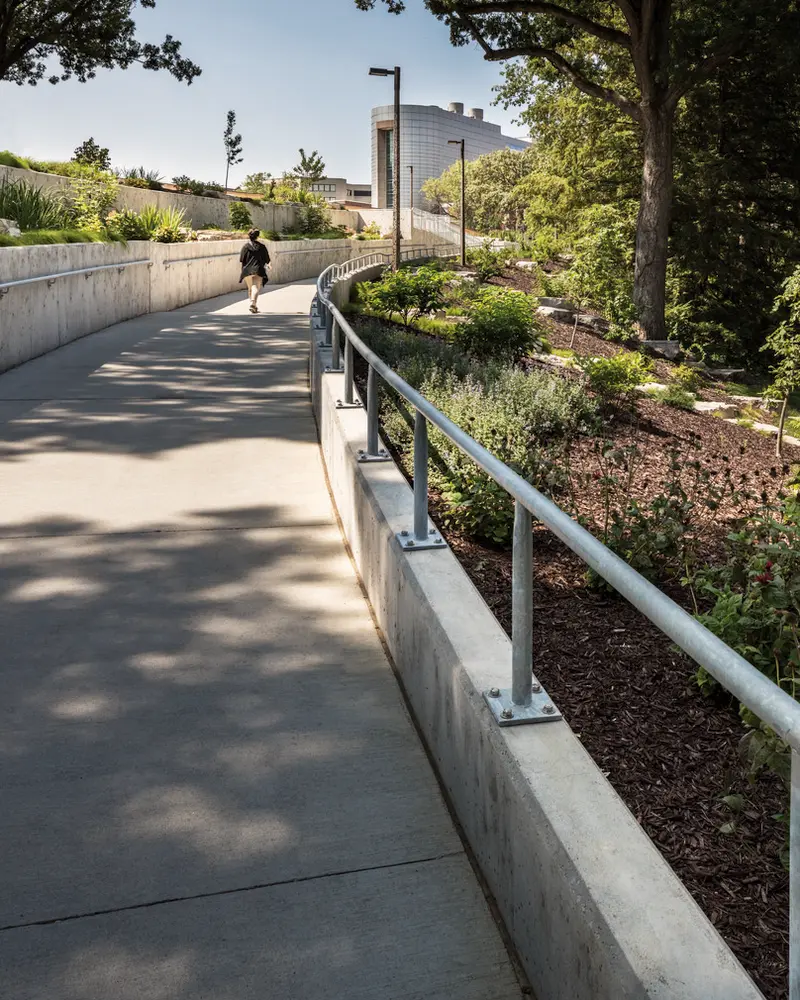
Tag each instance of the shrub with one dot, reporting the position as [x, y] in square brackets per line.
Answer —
[8, 159]
[162, 225]
[92, 193]
[526, 420]
[128, 225]
[140, 177]
[272, 235]
[487, 262]
[662, 537]
[372, 231]
[755, 608]
[501, 325]
[32, 208]
[675, 396]
[602, 271]
[406, 293]
[92, 155]
[687, 377]
[240, 218]
[615, 380]
[167, 234]
[313, 217]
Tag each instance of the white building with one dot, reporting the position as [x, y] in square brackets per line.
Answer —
[424, 134]
[341, 191]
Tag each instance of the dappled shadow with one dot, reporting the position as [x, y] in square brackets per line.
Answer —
[196, 706]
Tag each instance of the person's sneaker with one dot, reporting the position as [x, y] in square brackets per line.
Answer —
[253, 307]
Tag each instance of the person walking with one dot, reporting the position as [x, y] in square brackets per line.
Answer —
[254, 259]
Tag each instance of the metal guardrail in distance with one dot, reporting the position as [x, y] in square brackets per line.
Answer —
[526, 700]
[87, 272]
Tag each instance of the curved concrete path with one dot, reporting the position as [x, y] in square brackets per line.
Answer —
[209, 785]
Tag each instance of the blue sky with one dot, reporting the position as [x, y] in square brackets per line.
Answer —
[294, 72]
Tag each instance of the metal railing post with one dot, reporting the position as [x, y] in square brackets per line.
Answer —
[335, 355]
[372, 413]
[420, 477]
[328, 326]
[348, 372]
[794, 880]
[522, 607]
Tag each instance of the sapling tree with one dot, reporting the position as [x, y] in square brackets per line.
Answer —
[310, 168]
[233, 145]
[91, 155]
[78, 37]
[784, 342]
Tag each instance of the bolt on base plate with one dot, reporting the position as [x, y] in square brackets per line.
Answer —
[411, 544]
[506, 713]
[382, 456]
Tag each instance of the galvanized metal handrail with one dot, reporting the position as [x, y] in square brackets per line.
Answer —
[769, 702]
[5, 285]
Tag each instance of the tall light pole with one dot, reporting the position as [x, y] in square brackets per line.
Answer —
[460, 142]
[396, 168]
[411, 190]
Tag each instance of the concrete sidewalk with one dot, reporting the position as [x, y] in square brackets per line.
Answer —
[209, 785]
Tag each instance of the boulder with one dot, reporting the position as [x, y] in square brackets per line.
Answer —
[557, 304]
[725, 373]
[527, 265]
[559, 315]
[596, 323]
[716, 408]
[669, 349]
[10, 228]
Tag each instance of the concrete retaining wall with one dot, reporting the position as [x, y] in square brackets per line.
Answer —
[199, 212]
[130, 281]
[592, 907]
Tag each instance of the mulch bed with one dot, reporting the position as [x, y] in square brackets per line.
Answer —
[670, 752]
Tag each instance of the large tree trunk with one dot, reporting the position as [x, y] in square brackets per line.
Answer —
[652, 232]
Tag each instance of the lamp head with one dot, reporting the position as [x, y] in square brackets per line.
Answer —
[374, 71]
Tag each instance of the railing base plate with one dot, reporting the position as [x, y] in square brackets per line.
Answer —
[506, 713]
[333, 371]
[411, 544]
[382, 456]
[341, 405]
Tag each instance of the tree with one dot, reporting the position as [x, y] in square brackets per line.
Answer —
[785, 344]
[258, 183]
[493, 198]
[92, 155]
[233, 145]
[310, 168]
[81, 36]
[639, 56]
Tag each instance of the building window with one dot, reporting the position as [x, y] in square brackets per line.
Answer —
[389, 168]
[363, 194]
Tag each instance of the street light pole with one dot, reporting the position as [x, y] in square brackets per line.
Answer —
[411, 191]
[396, 167]
[460, 142]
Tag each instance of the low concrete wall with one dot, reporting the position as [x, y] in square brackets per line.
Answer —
[592, 907]
[199, 212]
[132, 280]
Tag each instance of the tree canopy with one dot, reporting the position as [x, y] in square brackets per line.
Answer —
[81, 36]
[310, 168]
[640, 58]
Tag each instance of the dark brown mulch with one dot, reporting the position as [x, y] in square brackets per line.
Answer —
[669, 752]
